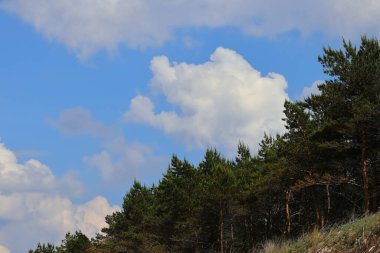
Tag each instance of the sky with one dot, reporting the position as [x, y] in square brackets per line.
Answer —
[95, 94]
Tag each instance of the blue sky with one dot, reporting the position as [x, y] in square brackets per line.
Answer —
[95, 94]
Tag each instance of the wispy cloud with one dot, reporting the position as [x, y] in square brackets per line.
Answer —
[120, 162]
[30, 153]
[79, 121]
[87, 26]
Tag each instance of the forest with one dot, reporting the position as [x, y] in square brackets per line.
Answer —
[325, 169]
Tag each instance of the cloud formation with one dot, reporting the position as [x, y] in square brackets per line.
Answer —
[32, 176]
[4, 249]
[120, 161]
[309, 90]
[87, 26]
[79, 121]
[217, 103]
[35, 206]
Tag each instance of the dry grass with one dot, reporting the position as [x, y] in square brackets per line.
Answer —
[360, 236]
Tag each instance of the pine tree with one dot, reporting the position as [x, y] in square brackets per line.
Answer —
[354, 112]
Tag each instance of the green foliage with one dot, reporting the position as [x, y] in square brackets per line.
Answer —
[44, 248]
[75, 243]
[178, 205]
[132, 228]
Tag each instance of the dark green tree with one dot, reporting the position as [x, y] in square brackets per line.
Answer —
[178, 207]
[75, 243]
[132, 229]
[219, 187]
[44, 248]
[350, 103]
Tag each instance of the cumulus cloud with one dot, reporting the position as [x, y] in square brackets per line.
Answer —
[35, 207]
[32, 176]
[87, 26]
[120, 161]
[309, 90]
[41, 217]
[78, 121]
[217, 103]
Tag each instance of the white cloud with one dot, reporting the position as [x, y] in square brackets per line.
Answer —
[4, 249]
[34, 206]
[120, 161]
[309, 90]
[219, 102]
[42, 217]
[87, 26]
[78, 121]
[32, 176]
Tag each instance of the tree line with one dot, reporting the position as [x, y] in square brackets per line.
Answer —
[323, 170]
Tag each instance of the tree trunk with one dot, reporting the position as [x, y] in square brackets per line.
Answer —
[365, 176]
[232, 237]
[328, 201]
[221, 229]
[232, 232]
[287, 213]
[376, 190]
[320, 218]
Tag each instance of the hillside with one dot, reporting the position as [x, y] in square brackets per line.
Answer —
[362, 235]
